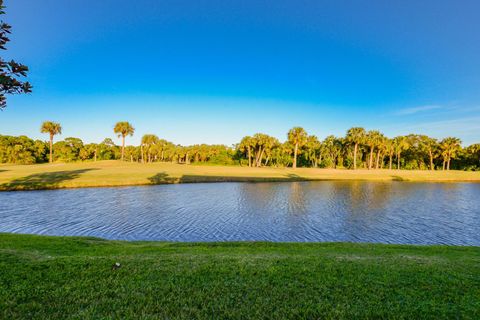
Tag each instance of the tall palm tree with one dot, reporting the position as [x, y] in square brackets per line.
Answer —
[450, 146]
[297, 136]
[355, 136]
[123, 129]
[52, 128]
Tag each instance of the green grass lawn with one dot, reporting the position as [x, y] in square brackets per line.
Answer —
[61, 277]
[116, 173]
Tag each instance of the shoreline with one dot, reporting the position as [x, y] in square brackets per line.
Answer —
[110, 174]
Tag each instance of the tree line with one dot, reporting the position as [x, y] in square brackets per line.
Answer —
[359, 148]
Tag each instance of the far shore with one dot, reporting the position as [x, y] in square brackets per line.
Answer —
[117, 173]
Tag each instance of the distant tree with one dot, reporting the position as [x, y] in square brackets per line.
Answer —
[147, 144]
[313, 150]
[355, 136]
[450, 147]
[429, 146]
[372, 139]
[389, 150]
[246, 146]
[297, 136]
[473, 153]
[400, 144]
[132, 152]
[333, 147]
[381, 150]
[68, 150]
[52, 128]
[123, 129]
[107, 150]
[11, 71]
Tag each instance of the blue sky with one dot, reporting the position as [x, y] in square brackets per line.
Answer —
[214, 71]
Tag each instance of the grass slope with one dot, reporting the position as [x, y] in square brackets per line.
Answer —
[116, 173]
[58, 277]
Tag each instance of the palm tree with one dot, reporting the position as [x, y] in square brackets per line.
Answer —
[52, 128]
[297, 136]
[355, 136]
[246, 145]
[401, 144]
[382, 145]
[450, 146]
[429, 145]
[313, 150]
[372, 139]
[333, 147]
[123, 129]
[147, 144]
[389, 149]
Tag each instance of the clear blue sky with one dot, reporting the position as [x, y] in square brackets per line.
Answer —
[214, 71]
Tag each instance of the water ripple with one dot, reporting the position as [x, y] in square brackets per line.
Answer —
[417, 213]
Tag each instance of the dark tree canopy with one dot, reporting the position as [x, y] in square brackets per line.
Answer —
[11, 72]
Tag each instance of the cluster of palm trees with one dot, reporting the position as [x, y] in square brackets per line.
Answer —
[370, 148]
[358, 149]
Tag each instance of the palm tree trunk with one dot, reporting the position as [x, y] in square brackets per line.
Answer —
[448, 163]
[431, 160]
[295, 156]
[249, 157]
[51, 148]
[141, 151]
[259, 161]
[123, 146]
[390, 161]
[378, 160]
[355, 156]
[370, 162]
[398, 160]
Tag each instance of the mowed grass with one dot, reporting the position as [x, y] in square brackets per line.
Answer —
[59, 277]
[116, 173]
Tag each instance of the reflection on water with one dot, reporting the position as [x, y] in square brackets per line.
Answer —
[388, 212]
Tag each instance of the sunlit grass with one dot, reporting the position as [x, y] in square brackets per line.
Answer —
[116, 173]
[56, 277]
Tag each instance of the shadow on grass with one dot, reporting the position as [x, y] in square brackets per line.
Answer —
[398, 178]
[295, 177]
[45, 180]
[2, 170]
[164, 178]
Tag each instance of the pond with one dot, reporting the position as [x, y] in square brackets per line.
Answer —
[385, 212]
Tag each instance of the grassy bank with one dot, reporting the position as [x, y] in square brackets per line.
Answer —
[116, 173]
[56, 277]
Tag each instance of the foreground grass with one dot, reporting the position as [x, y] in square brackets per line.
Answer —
[116, 173]
[58, 277]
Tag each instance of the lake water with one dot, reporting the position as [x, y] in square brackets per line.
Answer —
[391, 212]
